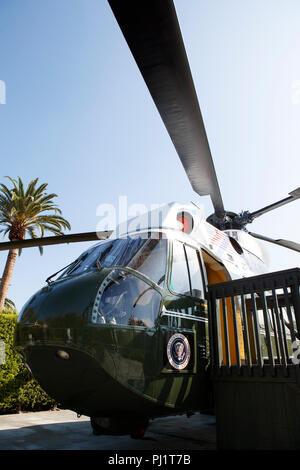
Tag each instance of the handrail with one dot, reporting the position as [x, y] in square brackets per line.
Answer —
[254, 324]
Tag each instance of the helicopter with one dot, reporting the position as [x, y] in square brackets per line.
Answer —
[121, 334]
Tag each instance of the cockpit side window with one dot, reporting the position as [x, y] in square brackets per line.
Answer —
[195, 272]
[151, 260]
[179, 276]
[124, 299]
[186, 276]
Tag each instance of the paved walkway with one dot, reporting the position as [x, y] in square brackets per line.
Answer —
[62, 430]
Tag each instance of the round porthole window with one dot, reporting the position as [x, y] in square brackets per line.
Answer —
[187, 221]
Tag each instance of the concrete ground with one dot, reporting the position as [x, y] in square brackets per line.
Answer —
[62, 430]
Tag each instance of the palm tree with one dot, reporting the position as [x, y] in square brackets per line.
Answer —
[25, 211]
[9, 305]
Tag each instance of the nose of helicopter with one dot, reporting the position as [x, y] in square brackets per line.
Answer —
[63, 303]
[70, 359]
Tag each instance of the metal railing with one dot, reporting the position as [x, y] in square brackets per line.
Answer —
[254, 325]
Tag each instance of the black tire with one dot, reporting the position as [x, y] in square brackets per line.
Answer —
[133, 426]
[138, 434]
[97, 430]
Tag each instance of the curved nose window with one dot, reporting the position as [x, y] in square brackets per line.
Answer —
[124, 299]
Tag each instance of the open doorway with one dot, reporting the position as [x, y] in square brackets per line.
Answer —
[217, 273]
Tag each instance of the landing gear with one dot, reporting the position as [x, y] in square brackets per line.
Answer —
[118, 426]
[138, 433]
[97, 428]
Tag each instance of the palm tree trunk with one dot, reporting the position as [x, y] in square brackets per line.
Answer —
[7, 275]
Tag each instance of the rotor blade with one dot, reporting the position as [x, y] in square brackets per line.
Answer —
[293, 195]
[286, 243]
[152, 32]
[56, 240]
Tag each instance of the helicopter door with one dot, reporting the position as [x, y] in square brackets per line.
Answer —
[183, 320]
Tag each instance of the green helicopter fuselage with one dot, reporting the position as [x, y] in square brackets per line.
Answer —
[121, 331]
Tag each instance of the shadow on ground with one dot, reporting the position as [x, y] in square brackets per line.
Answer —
[62, 430]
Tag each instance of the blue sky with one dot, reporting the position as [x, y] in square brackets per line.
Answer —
[78, 115]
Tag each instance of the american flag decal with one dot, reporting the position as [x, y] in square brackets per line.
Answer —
[220, 239]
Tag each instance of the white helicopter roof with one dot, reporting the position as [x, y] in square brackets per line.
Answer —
[219, 244]
[163, 217]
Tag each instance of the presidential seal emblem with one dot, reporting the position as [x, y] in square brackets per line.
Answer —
[178, 351]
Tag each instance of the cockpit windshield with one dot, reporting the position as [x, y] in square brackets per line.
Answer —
[148, 256]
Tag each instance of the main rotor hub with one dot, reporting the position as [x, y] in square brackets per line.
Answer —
[230, 220]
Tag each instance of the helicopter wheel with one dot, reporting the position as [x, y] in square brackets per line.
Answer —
[97, 430]
[139, 429]
[138, 433]
[111, 426]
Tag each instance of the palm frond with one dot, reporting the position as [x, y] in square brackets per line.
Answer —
[29, 209]
[30, 187]
[9, 304]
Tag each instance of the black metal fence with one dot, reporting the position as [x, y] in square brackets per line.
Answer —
[254, 325]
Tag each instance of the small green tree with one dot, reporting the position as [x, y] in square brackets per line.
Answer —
[18, 389]
[26, 211]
